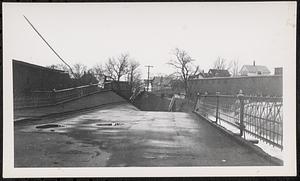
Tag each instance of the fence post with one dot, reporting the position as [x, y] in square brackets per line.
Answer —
[197, 99]
[204, 103]
[241, 99]
[217, 110]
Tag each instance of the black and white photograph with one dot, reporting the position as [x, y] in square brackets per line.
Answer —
[149, 89]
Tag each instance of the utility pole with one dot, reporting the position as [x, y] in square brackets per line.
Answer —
[148, 81]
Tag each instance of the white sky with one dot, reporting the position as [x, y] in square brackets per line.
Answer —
[90, 33]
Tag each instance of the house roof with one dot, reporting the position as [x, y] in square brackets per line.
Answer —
[256, 68]
[202, 74]
[194, 76]
[218, 73]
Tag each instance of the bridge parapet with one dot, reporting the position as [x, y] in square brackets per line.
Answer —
[47, 98]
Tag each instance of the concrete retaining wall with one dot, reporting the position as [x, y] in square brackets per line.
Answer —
[151, 102]
[94, 100]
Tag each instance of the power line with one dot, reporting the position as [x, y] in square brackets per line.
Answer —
[49, 45]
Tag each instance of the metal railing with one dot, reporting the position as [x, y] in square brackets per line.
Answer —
[46, 98]
[171, 107]
[135, 94]
[255, 116]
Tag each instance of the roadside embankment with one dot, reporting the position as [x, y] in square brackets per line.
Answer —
[87, 102]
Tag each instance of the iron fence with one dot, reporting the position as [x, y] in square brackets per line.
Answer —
[257, 116]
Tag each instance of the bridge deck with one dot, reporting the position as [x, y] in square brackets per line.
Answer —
[123, 136]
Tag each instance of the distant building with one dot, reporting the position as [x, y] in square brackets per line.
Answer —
[30, 77]
[200, 75]
[161, 83]
[254, 70]
[278, 71]
[218, 73]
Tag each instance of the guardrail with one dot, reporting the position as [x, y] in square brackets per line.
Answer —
[171, 107]
[135, 94]
[259, 117]
[46, 98]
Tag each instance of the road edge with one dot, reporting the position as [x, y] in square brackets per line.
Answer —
[239, 140]
[65, 113]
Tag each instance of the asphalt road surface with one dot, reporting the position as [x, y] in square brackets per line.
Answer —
[124, 136]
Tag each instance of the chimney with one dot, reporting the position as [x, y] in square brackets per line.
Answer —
[254, 63]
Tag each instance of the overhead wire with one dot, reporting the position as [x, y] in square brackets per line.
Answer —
[50, 46]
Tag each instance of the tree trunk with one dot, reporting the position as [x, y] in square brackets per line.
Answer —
[118, 83]
[186, 88]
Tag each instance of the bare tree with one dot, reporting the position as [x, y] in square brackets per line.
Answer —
[184, 66]
[98, 71]
[117, 68]
[234, 70]
[221, 64]
[59, 67]
[134, 75]
[78, 70]
[137, 82]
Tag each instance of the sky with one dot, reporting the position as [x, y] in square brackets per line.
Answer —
[149, 32]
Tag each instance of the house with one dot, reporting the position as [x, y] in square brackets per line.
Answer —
[218, 73]
[200, 75]
[254, 70]
[278, 71]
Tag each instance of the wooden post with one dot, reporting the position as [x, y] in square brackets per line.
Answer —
[241, 98]
[204, 101]
[217, 110]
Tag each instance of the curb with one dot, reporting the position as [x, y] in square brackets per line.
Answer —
[239, 140]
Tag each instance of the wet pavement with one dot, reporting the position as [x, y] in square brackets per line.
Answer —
[121, 135]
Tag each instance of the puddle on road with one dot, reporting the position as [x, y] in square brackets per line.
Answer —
[63, 128]
[58, 128]
[46, 126]
[109, 131]
[109, 124]
[95, 119]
